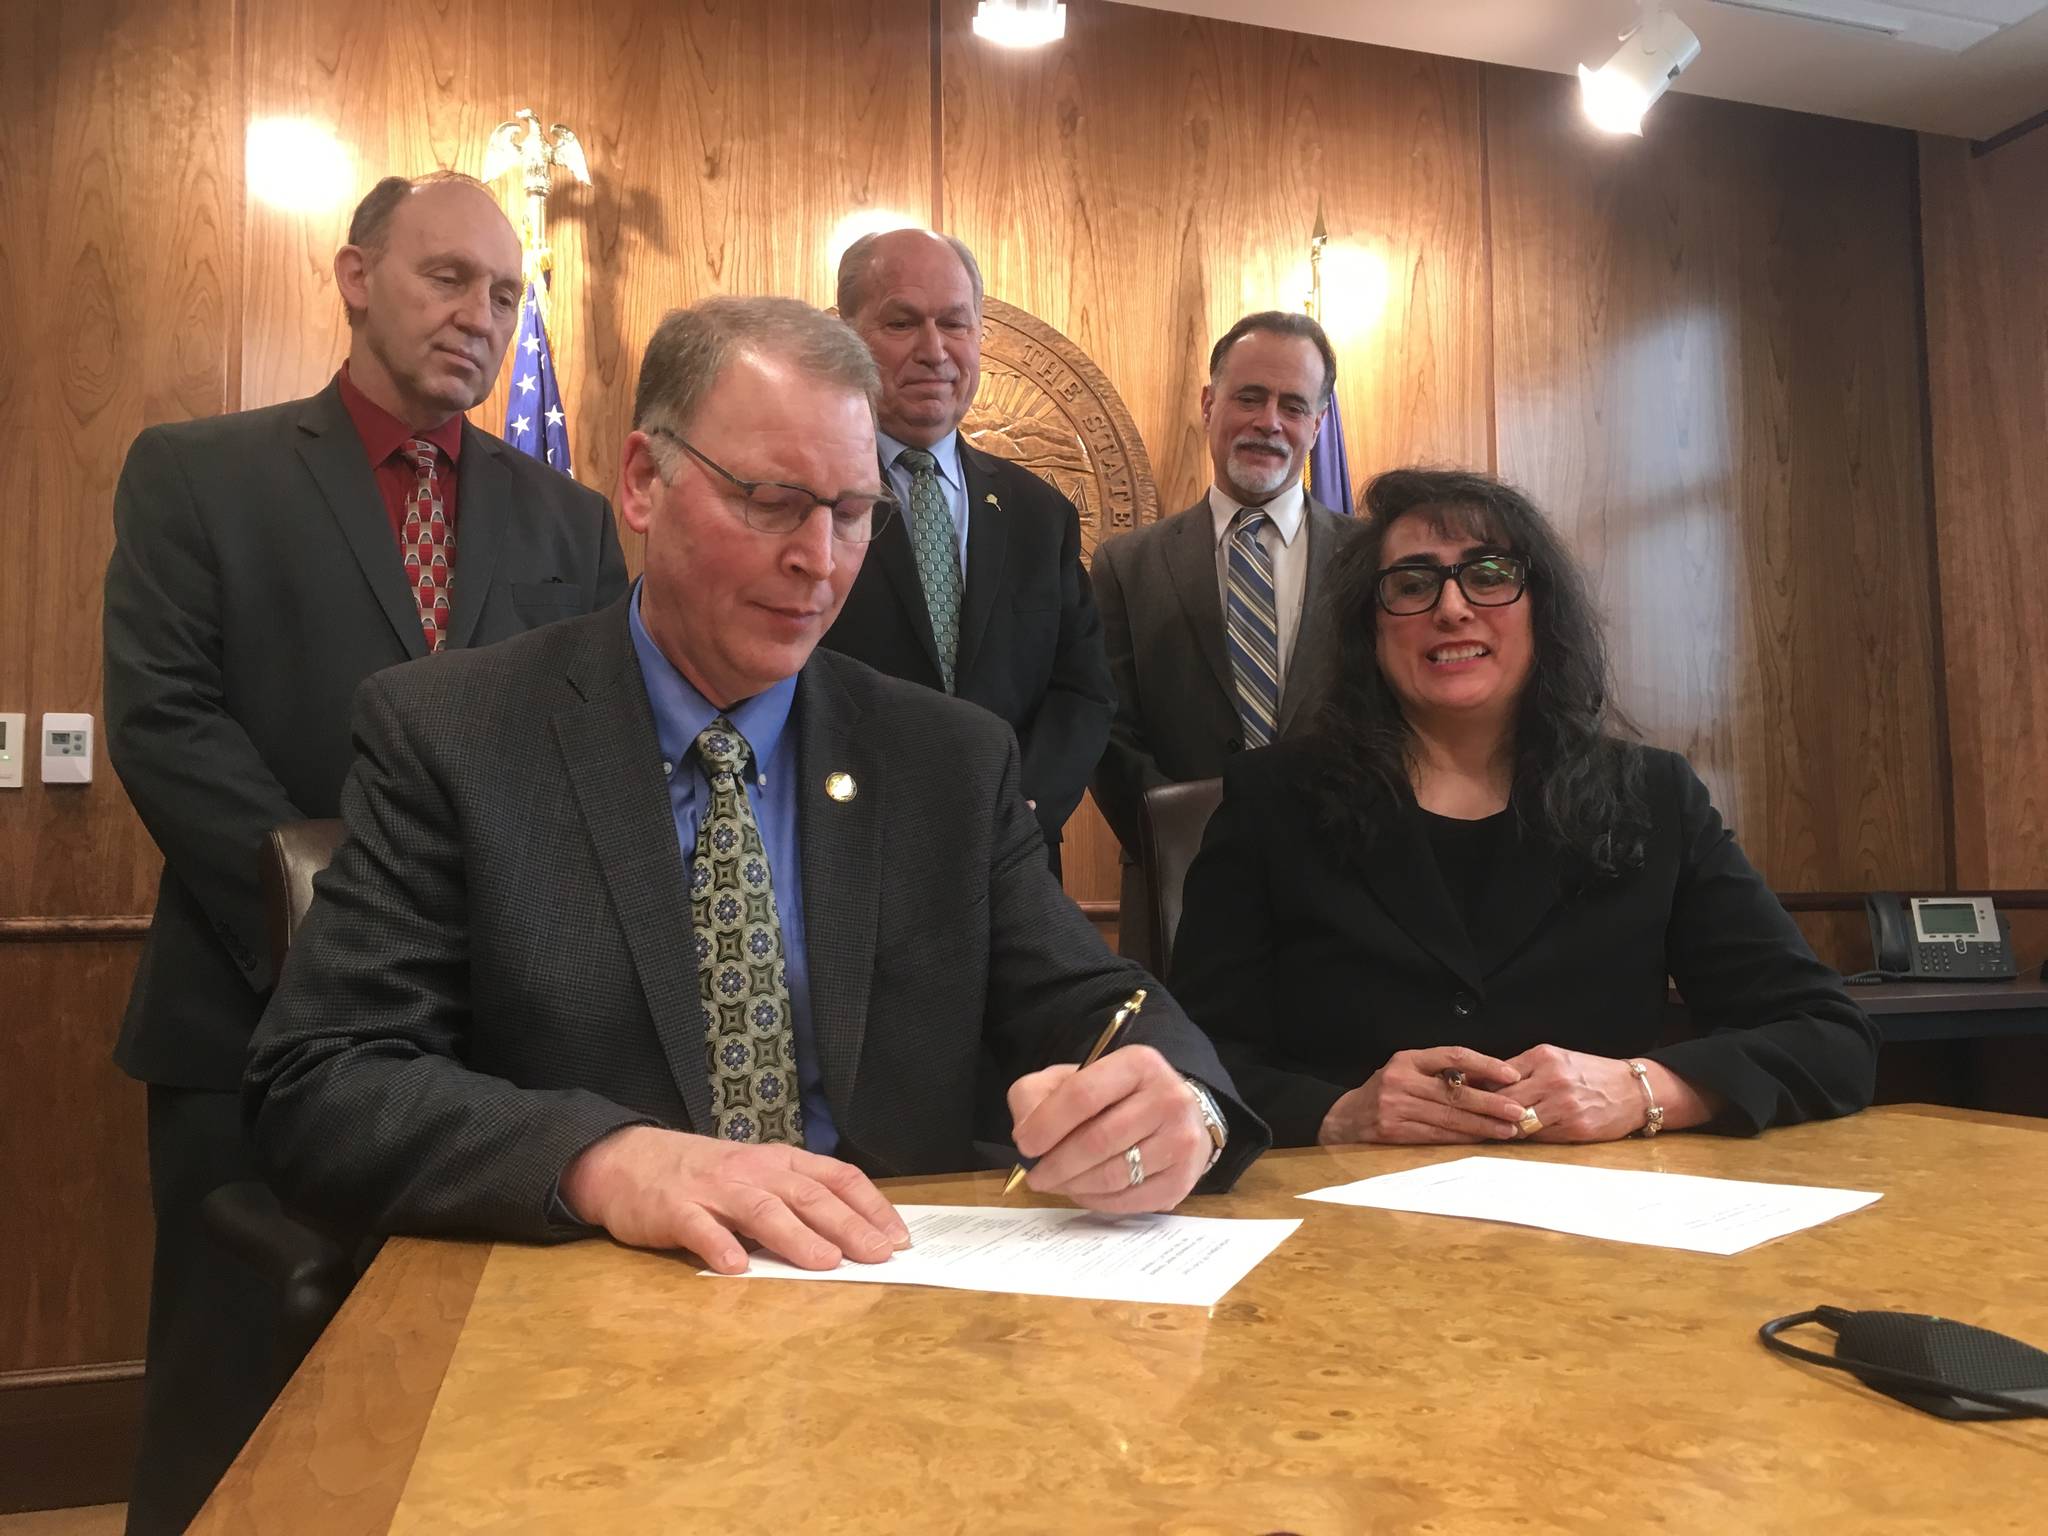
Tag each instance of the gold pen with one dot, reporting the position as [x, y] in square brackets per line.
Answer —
[1133, 1006]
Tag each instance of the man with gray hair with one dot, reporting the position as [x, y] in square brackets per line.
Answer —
[1212, 616]
[264, 563]
[665, 923]
[979, 589]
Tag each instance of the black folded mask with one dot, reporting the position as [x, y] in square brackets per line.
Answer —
[1942, 1367]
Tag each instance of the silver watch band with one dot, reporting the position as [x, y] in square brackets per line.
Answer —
[1212, 1119]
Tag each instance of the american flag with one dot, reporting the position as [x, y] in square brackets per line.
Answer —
[534, 422]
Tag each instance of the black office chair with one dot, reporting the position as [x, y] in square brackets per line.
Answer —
[1170, 826]
[310, 1268]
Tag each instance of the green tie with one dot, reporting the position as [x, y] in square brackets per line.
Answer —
[750, 1047]
[936, 541]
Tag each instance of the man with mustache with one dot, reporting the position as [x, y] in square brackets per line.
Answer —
[978, 589]
[266, 562]
[1210, 616]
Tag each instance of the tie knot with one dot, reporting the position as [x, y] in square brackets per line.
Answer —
[723, 749]
[1249, 520]
[420, 453]
[917, 461]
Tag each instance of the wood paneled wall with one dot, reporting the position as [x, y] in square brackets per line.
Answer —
[1707, 368]
[1986, 225]
[1699, 349]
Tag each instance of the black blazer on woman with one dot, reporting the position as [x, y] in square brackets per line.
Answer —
[1310, 962]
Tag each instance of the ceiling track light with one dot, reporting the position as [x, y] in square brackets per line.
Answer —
[1020, 23]
[1655, 53]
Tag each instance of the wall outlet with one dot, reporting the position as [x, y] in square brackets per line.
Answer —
[13, 749]
[67, 749]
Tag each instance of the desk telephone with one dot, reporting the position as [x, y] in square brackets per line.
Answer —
[1939, 938]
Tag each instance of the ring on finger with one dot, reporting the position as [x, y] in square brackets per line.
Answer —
[1530, 1123]
[1136, 1164]
[1453, 1078]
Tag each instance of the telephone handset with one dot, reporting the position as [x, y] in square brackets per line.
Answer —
[1938, 938]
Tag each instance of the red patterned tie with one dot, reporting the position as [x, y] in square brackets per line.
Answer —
[428, 544]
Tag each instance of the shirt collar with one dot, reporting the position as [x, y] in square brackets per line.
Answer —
[681, 713]
[1286, 510]
[383, 434]
[946, 450]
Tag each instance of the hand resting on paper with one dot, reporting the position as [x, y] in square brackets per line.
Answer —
[653, 1188]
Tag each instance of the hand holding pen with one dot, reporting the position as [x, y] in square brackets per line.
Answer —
[1120, 1133]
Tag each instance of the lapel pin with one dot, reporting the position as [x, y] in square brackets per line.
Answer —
[840, 787]
[990, 498]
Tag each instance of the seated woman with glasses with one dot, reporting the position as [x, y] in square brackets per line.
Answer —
[1449, 914]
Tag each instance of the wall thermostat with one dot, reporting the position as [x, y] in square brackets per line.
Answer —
[67, 749]
[13, 749]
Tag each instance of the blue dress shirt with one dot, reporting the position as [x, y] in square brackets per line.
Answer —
[952, 485]
[681, 715]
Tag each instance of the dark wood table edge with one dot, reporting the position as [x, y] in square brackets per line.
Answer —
[421, 1289]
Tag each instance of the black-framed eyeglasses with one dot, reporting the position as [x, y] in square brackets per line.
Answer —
[774, 506]
[1488, 581]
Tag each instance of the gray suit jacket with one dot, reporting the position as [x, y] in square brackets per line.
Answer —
[1162, 620]
[497, 969]
[254, 583]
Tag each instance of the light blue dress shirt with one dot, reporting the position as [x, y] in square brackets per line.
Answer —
[952, 484]
[681, 715]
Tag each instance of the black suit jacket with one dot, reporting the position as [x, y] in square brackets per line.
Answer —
[497, 970]
[1162, 618]
[1030, 639]
[254, 583]
[1311, 965]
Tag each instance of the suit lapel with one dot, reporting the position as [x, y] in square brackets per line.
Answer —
[988, 543]
[1403, 876]
[1191, 559]
[335, 457]
[609, 747]
[898, 562]
[1304, 665]
[484, 504]
[842, 860]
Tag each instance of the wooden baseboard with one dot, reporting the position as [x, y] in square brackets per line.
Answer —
[67, 1437]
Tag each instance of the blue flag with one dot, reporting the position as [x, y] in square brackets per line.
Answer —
[534, 422]
[1329, 470]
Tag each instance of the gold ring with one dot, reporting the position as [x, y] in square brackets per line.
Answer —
[1530, 1124]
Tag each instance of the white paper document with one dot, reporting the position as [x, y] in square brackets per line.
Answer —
[1175, 1260]
[1623, 1205]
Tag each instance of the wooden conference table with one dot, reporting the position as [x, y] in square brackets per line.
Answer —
[1380, 1372]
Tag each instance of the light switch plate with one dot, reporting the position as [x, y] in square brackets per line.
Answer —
[13, 749]
[67, 749]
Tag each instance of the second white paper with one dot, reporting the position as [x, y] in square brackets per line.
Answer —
[1036, 1251]
[1623, 1205]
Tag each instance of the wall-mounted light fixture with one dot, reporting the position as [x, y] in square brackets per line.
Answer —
[1020, 23]
[297, 165]
[1650, 57]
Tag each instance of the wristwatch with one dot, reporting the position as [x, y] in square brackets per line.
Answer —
[1653, 1119]
[1212, 1119]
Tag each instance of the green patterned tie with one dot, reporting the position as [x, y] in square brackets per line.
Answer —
[936, 541]
[750, 1046]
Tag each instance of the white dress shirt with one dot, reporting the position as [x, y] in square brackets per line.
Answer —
[1285, 538]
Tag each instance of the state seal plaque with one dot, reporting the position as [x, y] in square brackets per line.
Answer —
[1045, 405]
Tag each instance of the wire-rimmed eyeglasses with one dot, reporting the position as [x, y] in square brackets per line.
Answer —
[775, 506]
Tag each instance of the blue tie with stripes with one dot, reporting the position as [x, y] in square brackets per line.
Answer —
[1252, 629]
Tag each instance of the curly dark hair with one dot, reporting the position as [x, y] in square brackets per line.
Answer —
[1578, 772]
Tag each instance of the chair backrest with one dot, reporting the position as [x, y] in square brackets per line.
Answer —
[292, 855]
[1170, 827]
